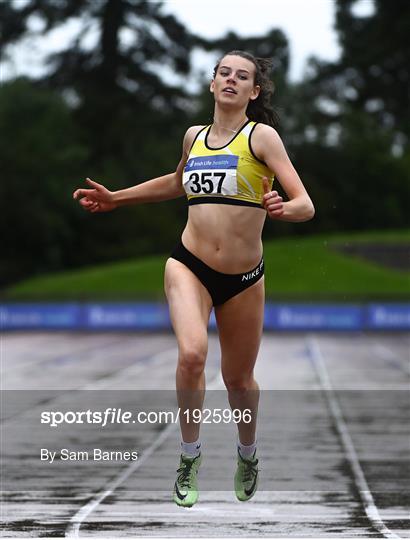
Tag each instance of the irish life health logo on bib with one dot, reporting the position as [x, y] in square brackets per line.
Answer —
[211, 175]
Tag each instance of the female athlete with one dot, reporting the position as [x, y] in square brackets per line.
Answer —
[226, 172]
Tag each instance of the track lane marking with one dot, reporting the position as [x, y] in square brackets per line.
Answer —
[384, 353]
[73, 529]
[347, 443]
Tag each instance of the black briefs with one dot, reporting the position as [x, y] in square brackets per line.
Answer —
[220, 286]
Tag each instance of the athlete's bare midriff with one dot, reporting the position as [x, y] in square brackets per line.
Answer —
[227, 238]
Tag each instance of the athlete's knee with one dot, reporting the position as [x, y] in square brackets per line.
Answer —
[192, 358]
[240, 383]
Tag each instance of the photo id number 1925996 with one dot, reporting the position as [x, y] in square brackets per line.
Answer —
[216, 416]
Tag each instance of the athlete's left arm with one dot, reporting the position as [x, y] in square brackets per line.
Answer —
[268, 146]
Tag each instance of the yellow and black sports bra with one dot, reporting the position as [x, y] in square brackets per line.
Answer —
[231, 174]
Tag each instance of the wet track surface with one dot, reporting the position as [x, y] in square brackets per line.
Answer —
[333, 420]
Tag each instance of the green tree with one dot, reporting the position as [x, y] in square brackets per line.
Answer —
[39, 159]
[117, 86]
[111, 108]
[128, 117]
[375, 64]
[349, 130]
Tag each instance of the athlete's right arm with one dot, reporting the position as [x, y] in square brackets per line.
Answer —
[163, 188]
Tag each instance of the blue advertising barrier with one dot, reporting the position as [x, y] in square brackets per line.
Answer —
[313, 317]
[141, 316]
[96, 316]
[388, 316]
[155, 316]
[41, 316]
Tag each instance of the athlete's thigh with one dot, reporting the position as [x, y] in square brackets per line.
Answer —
[240, 326]
[189, 303]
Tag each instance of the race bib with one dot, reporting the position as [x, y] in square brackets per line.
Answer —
[211, 175]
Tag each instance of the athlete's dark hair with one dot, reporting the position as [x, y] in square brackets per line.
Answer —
[259, 109]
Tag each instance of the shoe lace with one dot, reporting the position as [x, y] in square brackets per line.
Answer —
[185, 473]
[251, 469]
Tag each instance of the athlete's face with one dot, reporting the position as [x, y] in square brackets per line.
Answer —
[234, 81]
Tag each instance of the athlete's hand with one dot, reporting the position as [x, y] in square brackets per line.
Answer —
[97, 199]
[272, 201]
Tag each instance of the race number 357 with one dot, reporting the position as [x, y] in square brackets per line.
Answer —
[206, 182]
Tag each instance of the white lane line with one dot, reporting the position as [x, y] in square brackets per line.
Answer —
[386, 354]
[358, 475]
[133, 370]
[73, 529]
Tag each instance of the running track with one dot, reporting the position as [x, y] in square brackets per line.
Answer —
[334, 439]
